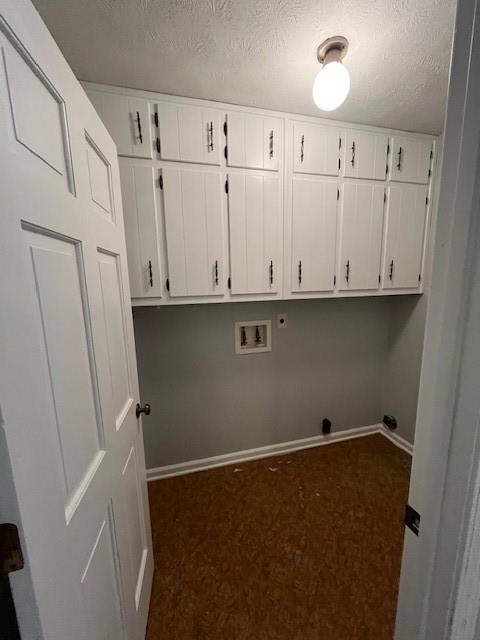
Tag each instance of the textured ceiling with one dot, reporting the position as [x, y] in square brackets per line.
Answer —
[263, 52]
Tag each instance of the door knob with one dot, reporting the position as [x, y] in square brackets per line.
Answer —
[146, 409]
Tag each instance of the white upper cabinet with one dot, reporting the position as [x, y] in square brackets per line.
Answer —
[362, 207]
[128, 120]
[410, 159]
[316, 149]
[188, 133]
[256, 219]
[314, 228]
[406, 212]
[365, 155]
[194, 232]
[254, 141]
[141, 229]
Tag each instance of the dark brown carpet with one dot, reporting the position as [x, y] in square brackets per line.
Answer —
[305, 546]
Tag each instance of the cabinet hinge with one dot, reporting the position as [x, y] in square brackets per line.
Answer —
[225, 129]
[338, 194]
[167, 284]
[229, 282]
[339, 164]
[419, 277]
[431, 154]
[379, 279]
[388, 148]
[226, 186]
[386, 170]
[412, 519]
[158, 145]
[334, 280]
[155, 118]
[426, 200]
[160, 181]
[429, 173]
[225, 152]
[384, 196]
[340, 143]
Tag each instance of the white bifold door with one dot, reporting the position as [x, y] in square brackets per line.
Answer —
[68, 376]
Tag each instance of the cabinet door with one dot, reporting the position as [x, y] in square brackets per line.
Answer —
[365, 155]
[189, 133]
[406, 212]
[410, 159]
[314, 228]
[255, 216]
[141, 230]
[194, 232]
[361, 236]
[315, 149]
[128, 121]
[254, 141]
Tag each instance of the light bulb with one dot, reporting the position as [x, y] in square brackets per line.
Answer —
[331, 86]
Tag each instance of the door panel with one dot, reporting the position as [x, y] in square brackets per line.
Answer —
[365, 155]
[101, 587]
[314, 228]
[194, 230]
[59, 278]
[132, 501]
[99, 173]
[360, 236]
[255, 217]
[315, 149]
[406, 212]
[116, 338]
[410, 159]
[67, 344]
[139, 193]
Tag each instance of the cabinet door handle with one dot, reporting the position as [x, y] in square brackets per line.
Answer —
[210, 136]
[150, 273]
[400, 154]
[299, 272]
[347, 271]
[271, 271]
[390, 274]
[216, 273]
[139, 125]
[352, 161]
[302, 145]
[271, 144]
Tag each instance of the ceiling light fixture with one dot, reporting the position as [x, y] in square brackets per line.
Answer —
[332, 83]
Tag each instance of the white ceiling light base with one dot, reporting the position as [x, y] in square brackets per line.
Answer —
[332, 83]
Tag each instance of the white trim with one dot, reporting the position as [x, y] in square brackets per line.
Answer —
[397, 440]
[281, 448]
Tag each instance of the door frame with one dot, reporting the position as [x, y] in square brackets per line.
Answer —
[436, 578]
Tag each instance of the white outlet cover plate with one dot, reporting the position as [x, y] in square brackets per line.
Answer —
[282, 321]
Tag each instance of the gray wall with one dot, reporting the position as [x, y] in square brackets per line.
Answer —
[329, 361]
[406, 327]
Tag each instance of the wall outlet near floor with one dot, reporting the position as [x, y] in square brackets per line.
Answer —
[282, 321]
[253, 336]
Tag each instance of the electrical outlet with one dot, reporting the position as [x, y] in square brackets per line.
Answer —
[282, 321]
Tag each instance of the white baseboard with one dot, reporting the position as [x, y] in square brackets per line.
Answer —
[237, 457]
[396, 439]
